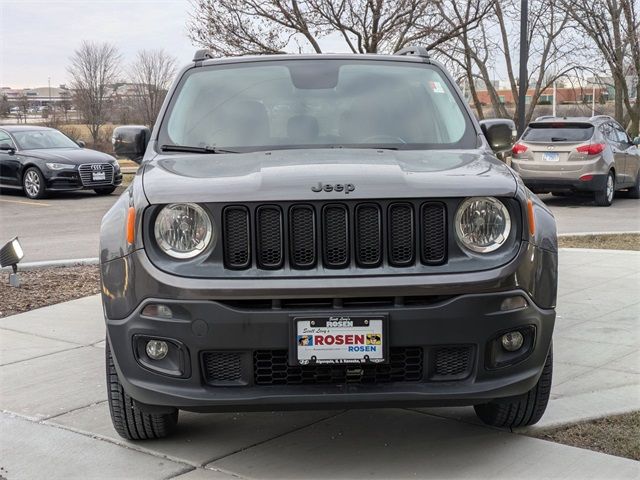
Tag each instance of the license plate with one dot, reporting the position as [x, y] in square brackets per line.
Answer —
[98, 176]
[551, 157]
[340, 339]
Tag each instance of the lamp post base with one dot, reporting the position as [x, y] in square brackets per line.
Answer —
[14, 280]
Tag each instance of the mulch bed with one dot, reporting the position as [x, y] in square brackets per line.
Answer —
[47, 286]
[622, 241]
[617, 435]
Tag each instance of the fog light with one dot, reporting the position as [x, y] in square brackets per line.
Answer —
[157, 310]
[158, 349]
[511, 341]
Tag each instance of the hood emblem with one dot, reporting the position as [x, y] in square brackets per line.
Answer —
[551, 147]
[347, 188]
[96, 166]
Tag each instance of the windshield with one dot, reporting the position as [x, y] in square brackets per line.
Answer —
[316, 103]
[558, 132]
[39, 139]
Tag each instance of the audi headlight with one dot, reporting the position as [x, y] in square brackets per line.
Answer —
[183, 230]
[60, 166]
[482, 224]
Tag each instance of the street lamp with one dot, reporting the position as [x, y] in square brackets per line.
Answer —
[10, 254]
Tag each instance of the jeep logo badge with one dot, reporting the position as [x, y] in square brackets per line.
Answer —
[347, 188]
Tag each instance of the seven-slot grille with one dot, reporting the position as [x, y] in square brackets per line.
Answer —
[87, 170]
[335, 235]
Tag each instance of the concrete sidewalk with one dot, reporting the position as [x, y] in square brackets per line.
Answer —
[55, 420]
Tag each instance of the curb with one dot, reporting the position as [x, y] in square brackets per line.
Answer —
[54, 263]
[599, 250]
[586, 234]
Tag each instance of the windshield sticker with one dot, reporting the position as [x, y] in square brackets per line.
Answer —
[436, 87]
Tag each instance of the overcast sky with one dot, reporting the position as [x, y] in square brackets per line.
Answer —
[37, 37]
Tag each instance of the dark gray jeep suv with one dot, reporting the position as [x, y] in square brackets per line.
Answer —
[324, 231]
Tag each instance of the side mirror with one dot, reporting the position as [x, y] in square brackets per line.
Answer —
[636, 141]
[499, 133]
[81, 144]
[130, 141]
[6, 147]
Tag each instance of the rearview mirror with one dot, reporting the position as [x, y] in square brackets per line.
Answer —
[499, 132]
[636, 141]
[7, 147]
[81, 144]
[130, 141]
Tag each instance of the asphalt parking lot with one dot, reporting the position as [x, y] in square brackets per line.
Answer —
[70, 222]
[65, 225]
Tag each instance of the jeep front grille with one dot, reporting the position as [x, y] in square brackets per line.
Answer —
[335, 235]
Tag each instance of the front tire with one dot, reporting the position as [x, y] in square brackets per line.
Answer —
[33, 183]
[104, 190]
[128, 419]
[604, 196]
[524, 410]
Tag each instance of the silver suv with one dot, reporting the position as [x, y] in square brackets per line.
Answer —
[578, 155]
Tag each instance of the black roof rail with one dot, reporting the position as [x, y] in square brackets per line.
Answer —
[202, 55]
[414, 50]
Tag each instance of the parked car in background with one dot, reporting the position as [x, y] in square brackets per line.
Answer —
[40, 160]
[565, 155]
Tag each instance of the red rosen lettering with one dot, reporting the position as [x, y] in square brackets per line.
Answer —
[359, 339]
[318, 340]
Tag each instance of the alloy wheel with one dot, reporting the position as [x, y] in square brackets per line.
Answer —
[32, 183]
[610, 188]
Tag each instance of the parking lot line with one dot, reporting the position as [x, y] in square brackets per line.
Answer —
[35, 204]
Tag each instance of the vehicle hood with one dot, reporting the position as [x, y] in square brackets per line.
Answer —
[76, 156]
[290, 174]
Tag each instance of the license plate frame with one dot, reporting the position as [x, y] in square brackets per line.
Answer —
[100, 176]
[371, 351]
[551, 157]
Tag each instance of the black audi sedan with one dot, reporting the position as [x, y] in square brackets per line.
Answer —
[39, 160]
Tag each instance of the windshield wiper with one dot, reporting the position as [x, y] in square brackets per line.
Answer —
[191, 149]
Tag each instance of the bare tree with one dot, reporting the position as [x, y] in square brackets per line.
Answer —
[553, 50]
[236, 27]
[94, 69]
[151, 75]
[614, 27]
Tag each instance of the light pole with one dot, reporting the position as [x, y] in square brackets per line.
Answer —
[524, 53]
[49, 102]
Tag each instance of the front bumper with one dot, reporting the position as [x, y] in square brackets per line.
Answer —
[210, 322]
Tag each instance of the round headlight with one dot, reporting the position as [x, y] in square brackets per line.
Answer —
[183, 230]
[482, 224]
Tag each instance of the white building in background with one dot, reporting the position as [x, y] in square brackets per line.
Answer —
[38, 97]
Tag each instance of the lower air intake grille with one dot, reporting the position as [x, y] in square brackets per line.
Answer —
[451, 363]
[271, 368]
[222, 367]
